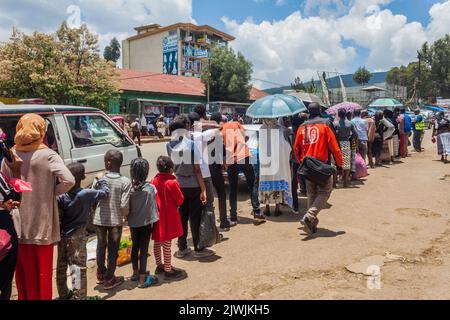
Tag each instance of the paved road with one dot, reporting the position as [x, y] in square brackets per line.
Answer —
[151, 152]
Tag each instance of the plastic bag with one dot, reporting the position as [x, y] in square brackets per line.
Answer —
[360, 166]
[208, 233]
[124, 252]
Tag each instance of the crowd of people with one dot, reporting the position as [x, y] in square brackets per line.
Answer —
[317, 154]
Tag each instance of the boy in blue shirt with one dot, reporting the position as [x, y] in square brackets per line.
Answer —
[75, 207]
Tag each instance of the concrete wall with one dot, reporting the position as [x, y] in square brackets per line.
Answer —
[145, 54]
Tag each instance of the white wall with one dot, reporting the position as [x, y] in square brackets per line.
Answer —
[146, 54]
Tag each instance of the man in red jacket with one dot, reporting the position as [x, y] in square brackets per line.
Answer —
[316, 139]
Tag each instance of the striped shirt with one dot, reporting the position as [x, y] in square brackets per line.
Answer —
[110, 211]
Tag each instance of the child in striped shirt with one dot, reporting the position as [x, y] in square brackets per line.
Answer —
[109, 218]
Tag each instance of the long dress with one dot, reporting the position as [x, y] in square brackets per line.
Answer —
[275, 169]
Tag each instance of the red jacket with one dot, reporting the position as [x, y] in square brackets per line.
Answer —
[318, 142]
[169, 199]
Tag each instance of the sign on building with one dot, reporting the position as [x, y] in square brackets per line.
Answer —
[170, 55]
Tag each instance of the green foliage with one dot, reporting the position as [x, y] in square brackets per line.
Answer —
[362, 76]
[62, 68]
[433, 76]
[112, 52]
[298, 85]
[229, 75]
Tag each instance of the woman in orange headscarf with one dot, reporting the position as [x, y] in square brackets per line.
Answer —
[39, 225]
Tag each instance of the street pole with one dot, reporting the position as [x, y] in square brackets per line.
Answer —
[419, 91]
[208, 86]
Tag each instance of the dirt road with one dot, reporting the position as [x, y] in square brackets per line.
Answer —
[403, 209]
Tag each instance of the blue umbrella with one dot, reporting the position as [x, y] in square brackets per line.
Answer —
[276, 106]
[433, 108]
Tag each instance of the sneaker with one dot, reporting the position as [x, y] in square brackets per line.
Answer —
[315, 224]
[100, 278]
[259, 219]
[307, 225]
[182, 253]
[113, 283]
[233, 223]
[174, 274]
[134, 278]
[159, 269]
[226, 229]
[204, 253]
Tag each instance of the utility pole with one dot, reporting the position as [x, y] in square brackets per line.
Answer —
[419, 94]
[208, 86]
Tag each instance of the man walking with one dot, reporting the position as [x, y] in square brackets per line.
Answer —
[316, 139]
[136, 130]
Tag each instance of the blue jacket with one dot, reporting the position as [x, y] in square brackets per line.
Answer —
[75, 206]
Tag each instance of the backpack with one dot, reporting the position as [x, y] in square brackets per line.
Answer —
[5, 243]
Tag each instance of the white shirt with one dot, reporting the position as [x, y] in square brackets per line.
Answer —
[201, 139]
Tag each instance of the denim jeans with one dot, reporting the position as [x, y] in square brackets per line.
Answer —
[252, 185]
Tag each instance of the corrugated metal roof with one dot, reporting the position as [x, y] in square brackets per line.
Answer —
[131, 80]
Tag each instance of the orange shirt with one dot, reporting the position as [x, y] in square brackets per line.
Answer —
[318, 142]
[234, 140]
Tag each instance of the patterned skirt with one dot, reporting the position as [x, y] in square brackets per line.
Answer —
[396, 146]
[346, 154]
[443, 144]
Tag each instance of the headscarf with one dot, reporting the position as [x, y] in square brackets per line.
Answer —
[30, 133]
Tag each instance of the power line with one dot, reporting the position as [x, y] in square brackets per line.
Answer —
[275, 83]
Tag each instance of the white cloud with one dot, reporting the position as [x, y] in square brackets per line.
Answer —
[108, 19]
[300, 45]
[440, 20]
[281, 50]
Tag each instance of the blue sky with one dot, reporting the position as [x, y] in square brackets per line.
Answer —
[282, 38]
[211, 11]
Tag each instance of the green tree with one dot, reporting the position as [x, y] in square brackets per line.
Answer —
[362, 76]
[62, 68]
[228, 76]
[436, 58]
[311, 88]
[298, 85]
[112, 52]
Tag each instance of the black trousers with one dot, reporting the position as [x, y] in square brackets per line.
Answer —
[108, 237]
[219, 185]
[139, 251]
[8, 265]
[191, 211]
[138, 136]
[233, 178]
[296, 178]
